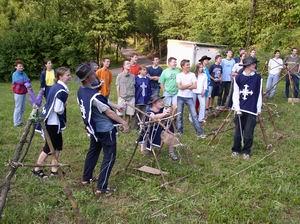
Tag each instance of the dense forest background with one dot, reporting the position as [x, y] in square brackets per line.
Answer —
[73, 31]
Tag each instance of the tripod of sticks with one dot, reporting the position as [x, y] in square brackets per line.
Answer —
[21, 151]
[146, 129]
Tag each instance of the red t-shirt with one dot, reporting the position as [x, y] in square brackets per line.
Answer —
[134, 69]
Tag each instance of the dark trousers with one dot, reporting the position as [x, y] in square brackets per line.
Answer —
[229, 102]
[295, 81]
[224, 93]
[248, 123]
[107, 142]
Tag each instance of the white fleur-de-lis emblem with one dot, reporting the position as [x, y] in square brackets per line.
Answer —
[82, 110]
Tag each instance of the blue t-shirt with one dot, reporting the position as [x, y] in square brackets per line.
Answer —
[206, 71]
[227, 66]
[215, 72]
[154, 72]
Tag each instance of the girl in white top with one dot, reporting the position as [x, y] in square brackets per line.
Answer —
[199, 92]
[275, 66]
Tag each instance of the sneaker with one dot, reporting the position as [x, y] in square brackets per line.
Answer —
[190, 118]
[234, 154]
[54, 174]
[39, 173]
[105, 192]
[202, 121]
[202, 136]
[173, 156]
[246, 156]
[146, 152]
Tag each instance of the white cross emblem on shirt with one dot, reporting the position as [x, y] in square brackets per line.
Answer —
[143, 86]
[82, 109]
[245, 92]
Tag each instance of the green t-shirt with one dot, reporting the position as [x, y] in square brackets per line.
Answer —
[168, 79]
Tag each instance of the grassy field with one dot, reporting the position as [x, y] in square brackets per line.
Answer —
[218, 189]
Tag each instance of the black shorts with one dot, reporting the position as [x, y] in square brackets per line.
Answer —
[56, 139]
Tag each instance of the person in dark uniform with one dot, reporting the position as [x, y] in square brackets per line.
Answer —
[154, 135]
[99, 119]
[54, 113]
[247, 102]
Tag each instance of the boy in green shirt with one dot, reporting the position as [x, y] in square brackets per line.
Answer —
[168, 84]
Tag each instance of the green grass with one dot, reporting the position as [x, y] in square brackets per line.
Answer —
[267, 192]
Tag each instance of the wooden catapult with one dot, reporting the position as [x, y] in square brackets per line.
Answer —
[145, 129]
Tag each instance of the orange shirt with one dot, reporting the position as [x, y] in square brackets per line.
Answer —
[106, 76]
[134, 69]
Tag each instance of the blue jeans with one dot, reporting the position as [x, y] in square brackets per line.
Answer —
[191, 105]
[155, 91]
[170, 100]
[20, 100]
[272, 84]
[107, 142]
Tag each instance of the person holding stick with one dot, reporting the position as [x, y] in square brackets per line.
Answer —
[55, 119]
[247, 102]
[154, 134]
[292, 63]
[99, 119]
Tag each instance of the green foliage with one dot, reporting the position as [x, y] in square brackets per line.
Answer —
[32, 41]
[72, 31]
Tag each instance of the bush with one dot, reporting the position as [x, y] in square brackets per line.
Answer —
[32, 41]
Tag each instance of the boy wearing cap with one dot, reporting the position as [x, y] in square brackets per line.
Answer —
[247, 102]
[154, 137]
[205, 61]
[99, 119]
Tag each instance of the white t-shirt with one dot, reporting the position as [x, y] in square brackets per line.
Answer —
[185, 79]
[201, 83]
[275, 65]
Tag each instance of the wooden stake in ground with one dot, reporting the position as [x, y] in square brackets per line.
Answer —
[5, 186]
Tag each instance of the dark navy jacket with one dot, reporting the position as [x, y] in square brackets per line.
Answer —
[248, 90]
[85, 97]
[57, 91]
[142, 90]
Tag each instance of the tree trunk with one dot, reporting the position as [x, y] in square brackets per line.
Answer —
[251, 18]
[117, 53]
[101, 50]
[98, 49]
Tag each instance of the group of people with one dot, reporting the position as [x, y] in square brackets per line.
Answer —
[234, 81]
